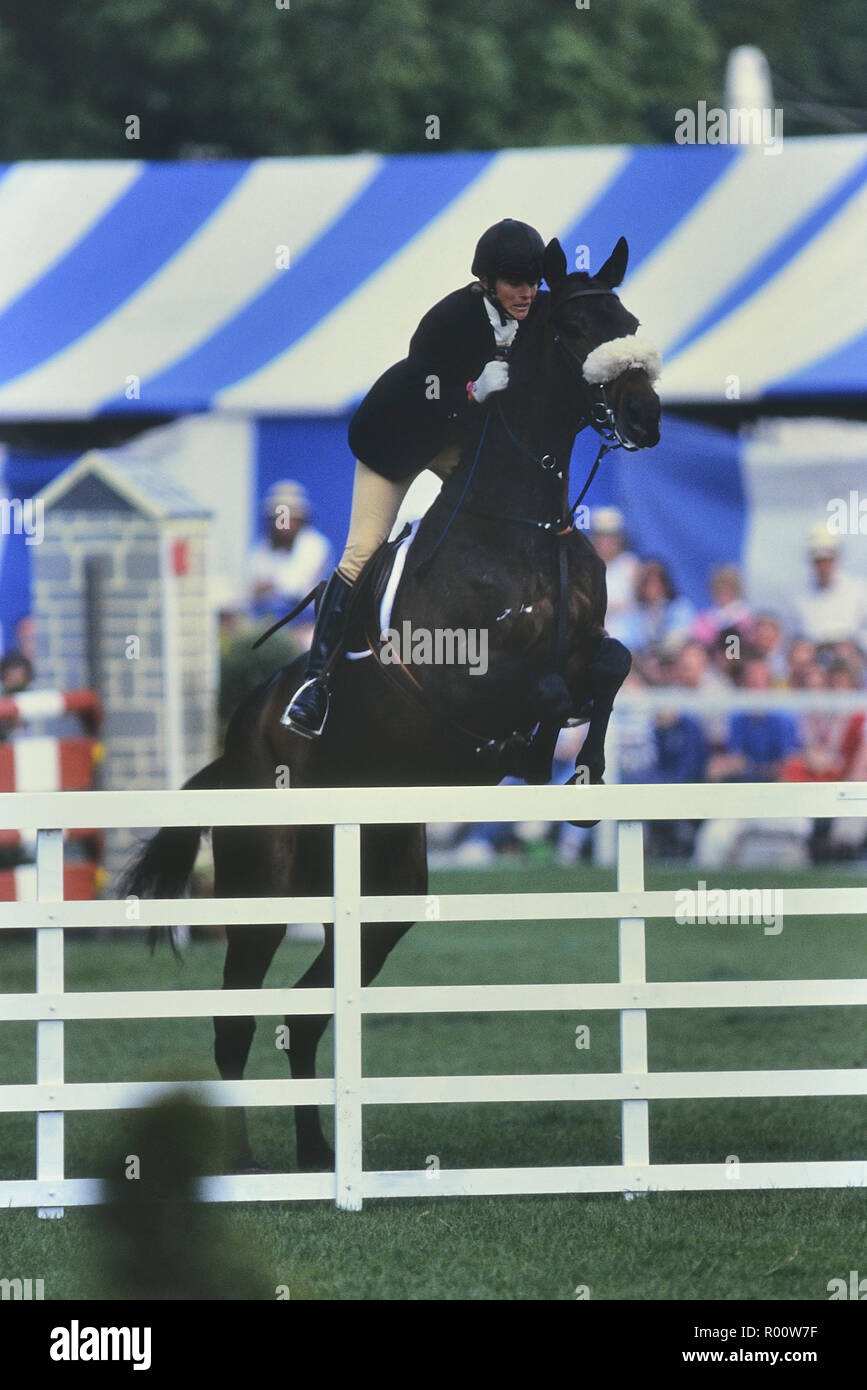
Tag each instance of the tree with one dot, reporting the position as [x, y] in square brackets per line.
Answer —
[333, 76]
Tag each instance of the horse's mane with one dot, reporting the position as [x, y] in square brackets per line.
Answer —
[523, 359]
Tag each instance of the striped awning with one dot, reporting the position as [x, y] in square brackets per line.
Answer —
[285, 286]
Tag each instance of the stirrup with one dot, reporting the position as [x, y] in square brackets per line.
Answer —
[297, 728]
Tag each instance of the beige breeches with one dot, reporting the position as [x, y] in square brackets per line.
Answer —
[375, 505]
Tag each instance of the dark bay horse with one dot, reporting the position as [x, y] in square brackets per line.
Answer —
[494, 555]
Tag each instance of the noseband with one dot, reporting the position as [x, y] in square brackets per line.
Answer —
[601, 415]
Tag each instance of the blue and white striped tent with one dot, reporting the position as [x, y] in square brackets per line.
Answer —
[741, 262]
[279, 289]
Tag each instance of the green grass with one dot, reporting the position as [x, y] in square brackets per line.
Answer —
[725, 1245]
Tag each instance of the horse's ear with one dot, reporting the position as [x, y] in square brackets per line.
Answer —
[554, 264]
[614, 269]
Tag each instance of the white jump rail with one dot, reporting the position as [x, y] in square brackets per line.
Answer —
[349, 1090]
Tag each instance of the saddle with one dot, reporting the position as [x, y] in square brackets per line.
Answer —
[368, 593]
[525, 755]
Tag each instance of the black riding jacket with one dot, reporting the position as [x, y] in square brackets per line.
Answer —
[402, 421]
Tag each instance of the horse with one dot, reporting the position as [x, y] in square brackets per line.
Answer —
[495, 553]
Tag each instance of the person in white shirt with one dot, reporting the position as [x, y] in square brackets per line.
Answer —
[833, 608]
[291, 558]
[608, 534]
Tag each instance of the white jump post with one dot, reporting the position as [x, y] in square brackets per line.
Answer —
[635, 1121]
[347, 1016]
[49, 1033]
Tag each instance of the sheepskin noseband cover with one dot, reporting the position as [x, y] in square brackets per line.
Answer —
[611, 359]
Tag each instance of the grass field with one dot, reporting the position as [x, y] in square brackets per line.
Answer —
[726, 1245]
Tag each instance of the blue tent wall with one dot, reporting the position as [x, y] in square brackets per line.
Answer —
[24, 475]
[684, 501]
[315, 452]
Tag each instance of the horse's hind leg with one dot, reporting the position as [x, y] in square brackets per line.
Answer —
[241, 870]
[305, 1031]
[249, 952]
[393, 861]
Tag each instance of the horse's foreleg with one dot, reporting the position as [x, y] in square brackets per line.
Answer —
[605, 674]
[249, 952]
[304, 1032]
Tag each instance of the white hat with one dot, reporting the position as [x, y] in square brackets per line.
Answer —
[607, 521]
[821, 541]
[287, 493]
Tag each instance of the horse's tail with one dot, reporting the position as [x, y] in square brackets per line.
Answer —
[163, 866]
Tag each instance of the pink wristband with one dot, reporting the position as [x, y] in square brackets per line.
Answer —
[470, 385]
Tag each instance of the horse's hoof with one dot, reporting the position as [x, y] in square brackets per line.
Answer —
[318, 1160]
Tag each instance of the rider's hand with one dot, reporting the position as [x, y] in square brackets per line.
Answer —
[495, 377]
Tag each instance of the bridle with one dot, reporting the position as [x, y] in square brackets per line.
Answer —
[601, 416]
[598, 413]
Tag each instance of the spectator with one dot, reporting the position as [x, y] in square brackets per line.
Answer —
[692, 669]
[820, 736]
[634, 732]
[729, 611]
[833, 607]
[659, 616]
[681, 756]
[291, 558]
[608, 535]
[850, 655]
[800, 657]
[766, 640]
[16, 674]
[757, 743]
[833, 750]
[25, 637]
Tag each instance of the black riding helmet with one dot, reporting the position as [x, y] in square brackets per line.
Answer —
[511, 251]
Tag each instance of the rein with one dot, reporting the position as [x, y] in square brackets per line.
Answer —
[598, 413]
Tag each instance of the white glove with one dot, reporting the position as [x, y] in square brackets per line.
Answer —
[495, 377]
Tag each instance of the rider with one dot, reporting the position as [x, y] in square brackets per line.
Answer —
[455, 362]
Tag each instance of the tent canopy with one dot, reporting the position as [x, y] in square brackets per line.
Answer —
[285, 286]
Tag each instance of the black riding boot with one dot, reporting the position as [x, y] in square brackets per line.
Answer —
[307, 711]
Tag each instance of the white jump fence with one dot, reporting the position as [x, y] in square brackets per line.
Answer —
[634, 1086]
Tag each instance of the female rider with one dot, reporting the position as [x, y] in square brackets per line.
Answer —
[404, 421]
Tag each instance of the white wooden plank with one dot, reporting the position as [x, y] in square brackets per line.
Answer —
[158, 1003]
[134, 1095]
[568, 1086]
[673, 1177]
[407, 805]
[681, 994]
[439, 999]
[453, 907]
[635, 1120]
[269, 1187]
[127, 915]
[49, 1034]
[348, 1017]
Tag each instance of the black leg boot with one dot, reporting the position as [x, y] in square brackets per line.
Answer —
[307, 711]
